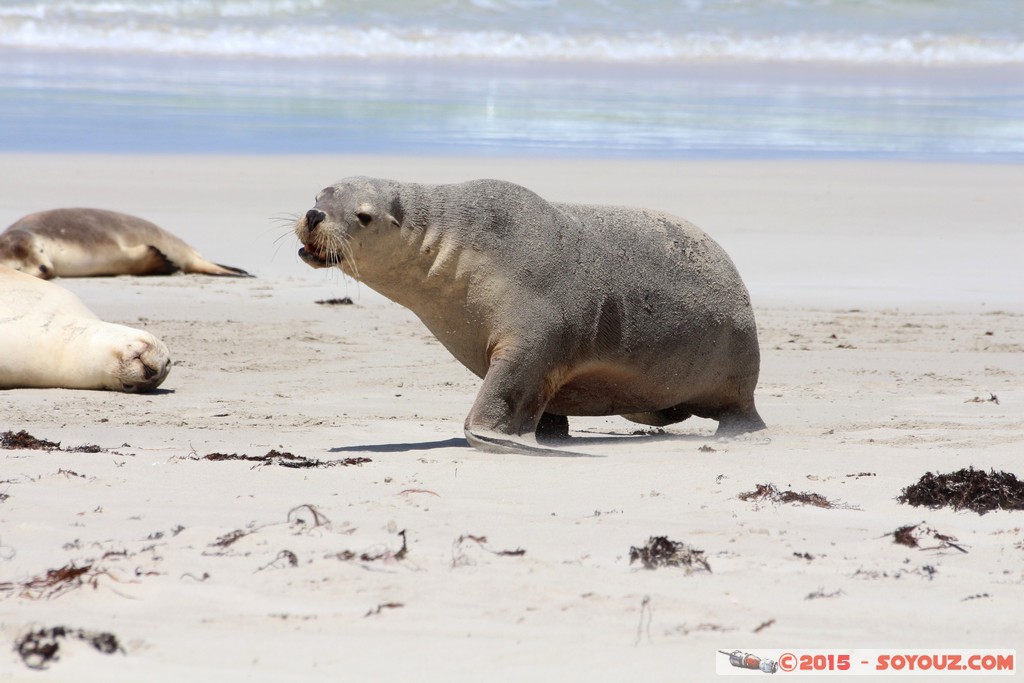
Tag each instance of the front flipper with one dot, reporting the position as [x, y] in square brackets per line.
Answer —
[148, 260]
[508, 408]
[492, 442]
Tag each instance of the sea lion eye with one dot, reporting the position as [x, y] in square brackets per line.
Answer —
[44, 270]
[364, 217]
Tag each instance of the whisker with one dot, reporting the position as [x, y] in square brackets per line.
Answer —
[346, 250]
[278, 244]
[282, 220]
[290, 233]
[283, 217]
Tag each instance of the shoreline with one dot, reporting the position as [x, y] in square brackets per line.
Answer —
[103, 102]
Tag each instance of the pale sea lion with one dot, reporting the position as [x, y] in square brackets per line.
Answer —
[50, 339]
[562, 309]
[86, 242]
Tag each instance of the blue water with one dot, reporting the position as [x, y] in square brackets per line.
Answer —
[883, 79]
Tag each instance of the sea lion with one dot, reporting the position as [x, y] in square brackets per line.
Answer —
[562, 309]
[86, 242]
[50, 339]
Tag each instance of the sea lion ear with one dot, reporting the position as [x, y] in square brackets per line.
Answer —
[397, 213]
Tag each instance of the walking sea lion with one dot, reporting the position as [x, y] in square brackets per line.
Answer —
[49, 339]
[85, 242]
[562, 309]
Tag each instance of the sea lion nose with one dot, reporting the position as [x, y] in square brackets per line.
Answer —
[314, 217]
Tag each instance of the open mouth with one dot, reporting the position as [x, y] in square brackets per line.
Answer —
[312, 258]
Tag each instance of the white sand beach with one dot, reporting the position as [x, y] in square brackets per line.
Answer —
[888, 296]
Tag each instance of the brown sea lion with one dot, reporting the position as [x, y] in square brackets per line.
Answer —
[86, 242]
[562, 309]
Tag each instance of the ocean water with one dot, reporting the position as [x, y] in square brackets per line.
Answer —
[889, 79]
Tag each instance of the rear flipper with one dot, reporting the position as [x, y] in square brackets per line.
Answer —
[201, 265]
[231, 271]
[734, 423]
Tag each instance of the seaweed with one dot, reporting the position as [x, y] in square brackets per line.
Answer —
[85, 448]
[387, 554]
[229, 538]
[967, 489]
[383, 606]
[344, 301]
[382, 555]
[771, 493]
[482, 542]
[926, 571]
[285, 459]
[290, 558]
[41, 647]
[661, 552]
[295, 515]
[24, 441]
[912, 534]
[56, 582]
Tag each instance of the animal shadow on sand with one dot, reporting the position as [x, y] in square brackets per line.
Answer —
[402, 447]
[612, 439]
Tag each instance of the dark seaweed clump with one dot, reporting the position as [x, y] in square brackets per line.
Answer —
[967, 489]
[771, 493]
[41, 647]
[24, 441]
[661, 552]
[285, 459]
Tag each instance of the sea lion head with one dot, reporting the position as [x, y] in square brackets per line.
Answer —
[24, 251]
[346, 216]
[138, 361]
